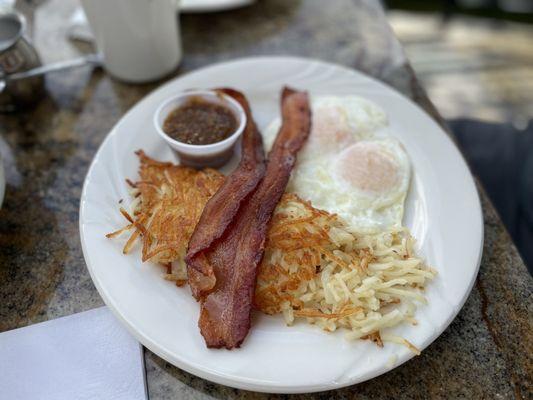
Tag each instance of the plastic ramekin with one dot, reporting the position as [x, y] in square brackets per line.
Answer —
[205, 155]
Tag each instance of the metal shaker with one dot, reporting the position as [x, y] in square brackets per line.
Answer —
[17, 54]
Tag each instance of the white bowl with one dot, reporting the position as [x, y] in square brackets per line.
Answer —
[205, 155]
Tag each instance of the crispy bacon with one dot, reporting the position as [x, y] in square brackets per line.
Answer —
[222, 207]
[226, 310]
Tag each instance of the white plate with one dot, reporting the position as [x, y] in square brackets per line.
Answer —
[205, 6]
[443, 213]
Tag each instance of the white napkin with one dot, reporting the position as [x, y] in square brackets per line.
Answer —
[83, 356]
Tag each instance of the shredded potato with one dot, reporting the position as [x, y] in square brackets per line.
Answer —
[313, 268]
[168, 201]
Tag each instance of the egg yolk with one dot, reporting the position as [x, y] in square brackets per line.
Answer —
[329, 127]
[368, 167]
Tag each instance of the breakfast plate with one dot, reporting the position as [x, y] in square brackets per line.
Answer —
[442, 211]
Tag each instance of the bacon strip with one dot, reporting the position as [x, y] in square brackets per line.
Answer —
[226, 311]
[222, 207]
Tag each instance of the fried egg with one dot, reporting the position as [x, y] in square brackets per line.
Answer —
[348, 169]
[336, 123]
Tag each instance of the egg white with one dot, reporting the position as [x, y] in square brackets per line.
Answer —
[347, 118]
[346, 169]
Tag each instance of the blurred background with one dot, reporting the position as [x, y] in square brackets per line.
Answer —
[475, 60]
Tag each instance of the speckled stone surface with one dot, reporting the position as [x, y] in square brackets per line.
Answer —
[485, 353]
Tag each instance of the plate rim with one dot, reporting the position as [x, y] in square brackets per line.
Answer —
[248, 383]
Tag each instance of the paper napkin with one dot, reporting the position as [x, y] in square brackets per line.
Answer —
[83, 356]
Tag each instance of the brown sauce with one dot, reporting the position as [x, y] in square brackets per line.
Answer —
[199, 121]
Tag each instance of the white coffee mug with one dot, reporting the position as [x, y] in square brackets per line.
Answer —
[140, 39]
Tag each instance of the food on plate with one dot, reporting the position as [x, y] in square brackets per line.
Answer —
[199, 121]
[314, 233]
[315, 268]
[222, 207]
[226, 311]
[169, 200]
[366, 184]
[346, 169]
[337, 122]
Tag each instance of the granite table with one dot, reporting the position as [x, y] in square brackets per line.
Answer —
[485, 353]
